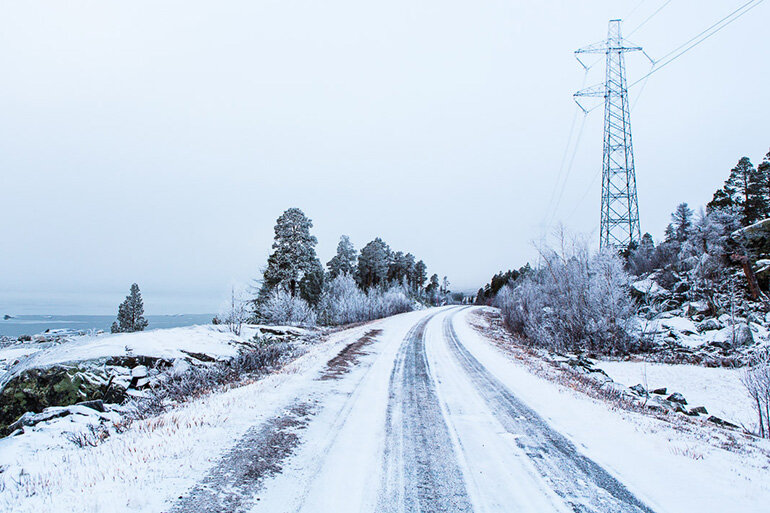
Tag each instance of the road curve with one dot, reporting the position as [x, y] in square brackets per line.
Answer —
[415, 423]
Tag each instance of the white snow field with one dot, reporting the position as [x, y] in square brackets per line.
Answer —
[719, 390]
[417, 412]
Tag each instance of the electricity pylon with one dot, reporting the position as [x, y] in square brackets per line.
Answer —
[620, 208]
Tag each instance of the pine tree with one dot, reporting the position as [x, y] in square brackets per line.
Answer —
[398, 271]
[344, 262]
[293, 256]
[130, 313]
[311, 284]
[744, 193]
[433, 287]
[373, 264]
[646, 246]
[420, 274]
[763, 176]
[682, 221]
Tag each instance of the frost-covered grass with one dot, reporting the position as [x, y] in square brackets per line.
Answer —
[155, 459]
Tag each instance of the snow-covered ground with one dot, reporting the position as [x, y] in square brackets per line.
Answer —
[673, 468]
[719, 390]
[409, 424]
[157, 459]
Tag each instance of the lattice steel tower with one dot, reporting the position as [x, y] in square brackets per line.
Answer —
[620, 209]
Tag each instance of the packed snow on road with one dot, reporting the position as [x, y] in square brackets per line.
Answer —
[423, 411]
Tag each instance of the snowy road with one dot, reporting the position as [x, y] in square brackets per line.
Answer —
[407, 419]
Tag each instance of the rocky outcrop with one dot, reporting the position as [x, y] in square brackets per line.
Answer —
[34, 390]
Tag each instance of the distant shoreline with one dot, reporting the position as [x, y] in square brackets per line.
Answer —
[29, 324]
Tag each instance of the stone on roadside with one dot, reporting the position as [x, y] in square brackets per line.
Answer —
[676, 397]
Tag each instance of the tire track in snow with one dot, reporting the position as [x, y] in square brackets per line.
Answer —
[581, 482]
[421, 470]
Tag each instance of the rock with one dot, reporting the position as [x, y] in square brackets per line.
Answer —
[31, 419]
[676, 397]
[96, 404]
[681, 287]
[34, 390]
[660, 391]
[731, 336]
[742, 336]
[699, 410]
[721, 422]
[755, 237]
[708, 325]
[696, 307]
[638, 390]
[648, 288]
[140, 371]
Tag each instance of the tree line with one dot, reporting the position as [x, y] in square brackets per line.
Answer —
[296, 287]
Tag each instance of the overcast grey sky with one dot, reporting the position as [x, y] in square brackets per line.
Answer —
[157, 141]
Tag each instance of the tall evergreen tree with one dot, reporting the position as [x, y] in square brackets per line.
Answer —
[130, 313]
[411, 267]
[763, 175]
[344, 262]
[682, 221]
[373, 264]
[399, 268]
[420, 274]
[293, 254]
[646, 246]
[744, 193]
[311, 284]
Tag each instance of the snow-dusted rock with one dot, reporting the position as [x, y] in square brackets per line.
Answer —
[679, 325]
[676, 397]
[709, 324]
[696, 307]
[650, 288]
[731, 336]
[140, 371]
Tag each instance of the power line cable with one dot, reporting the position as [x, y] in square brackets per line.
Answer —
[635, 9]
[651, 16]
[569, 170]
[704, 35]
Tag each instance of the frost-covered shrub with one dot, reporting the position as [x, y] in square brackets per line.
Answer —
[178, 388]
[391, 301]
[343, 302]
[573, 302]
[281, 308]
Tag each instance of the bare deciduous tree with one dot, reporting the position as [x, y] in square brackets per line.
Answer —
[756, 379]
